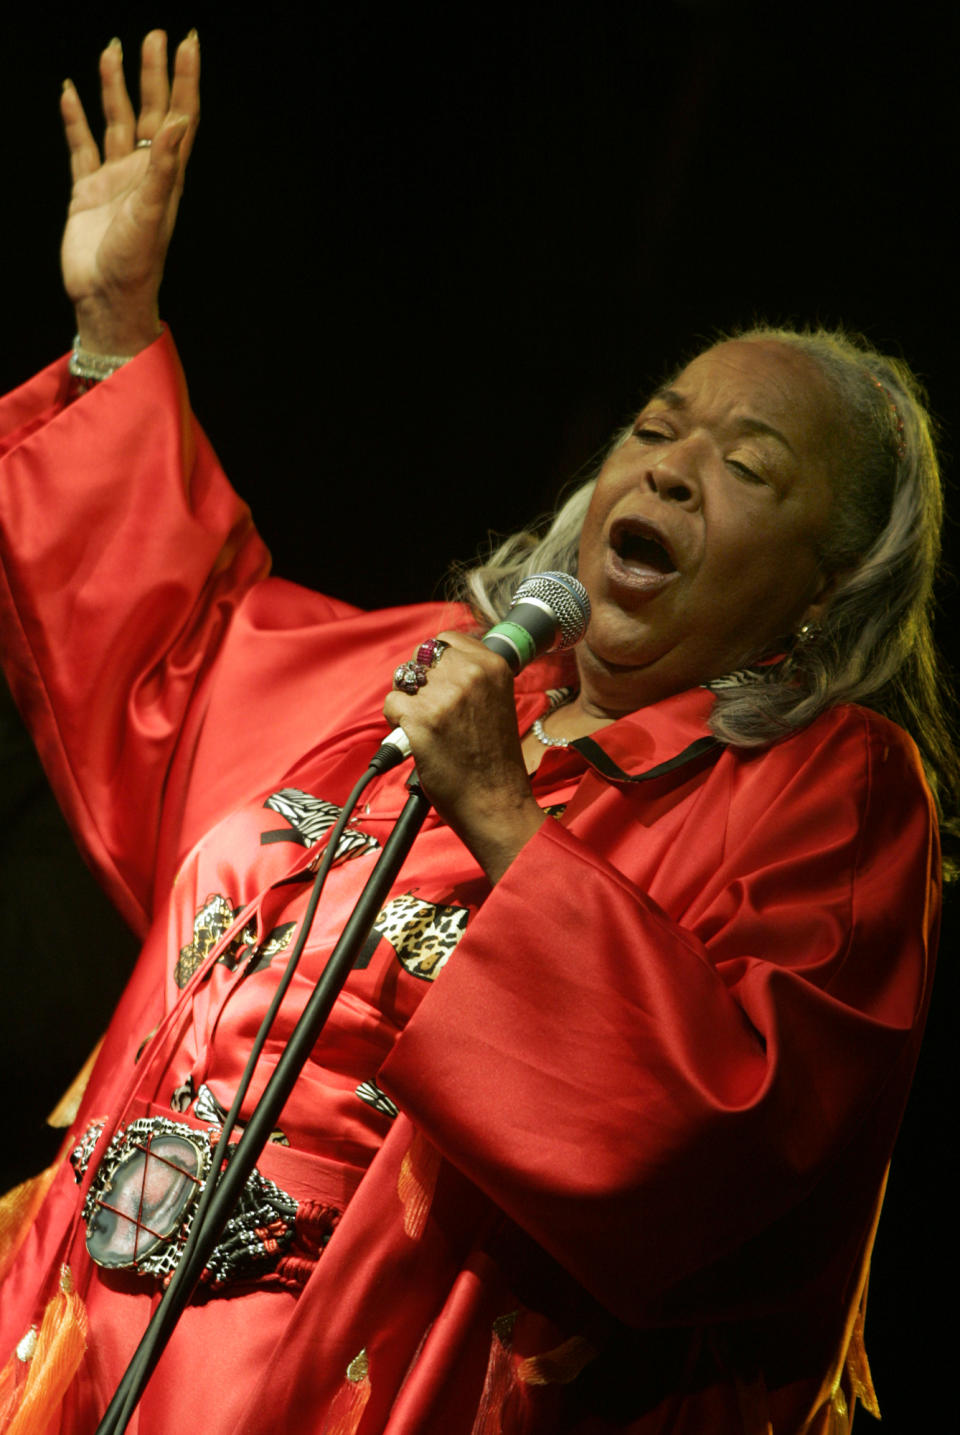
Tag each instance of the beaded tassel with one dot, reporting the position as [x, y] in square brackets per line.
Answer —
[350, 1401]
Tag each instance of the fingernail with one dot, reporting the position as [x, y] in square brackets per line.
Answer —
[116, 43]
[193, 35]
[67, 85]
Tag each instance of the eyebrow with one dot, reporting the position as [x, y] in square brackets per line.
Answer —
[675, 400]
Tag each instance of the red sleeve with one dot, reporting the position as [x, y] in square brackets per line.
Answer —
[645, 1090]
[125, 556]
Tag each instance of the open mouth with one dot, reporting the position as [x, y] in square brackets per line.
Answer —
[640, 549]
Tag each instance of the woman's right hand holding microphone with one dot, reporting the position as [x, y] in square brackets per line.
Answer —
[124, 206]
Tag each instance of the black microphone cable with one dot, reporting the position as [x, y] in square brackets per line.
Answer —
[550, 611]
[155, 1336]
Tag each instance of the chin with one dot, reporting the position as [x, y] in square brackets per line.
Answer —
[613, 656]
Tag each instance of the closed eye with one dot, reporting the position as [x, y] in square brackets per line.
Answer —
[649, 435]
[745, 472]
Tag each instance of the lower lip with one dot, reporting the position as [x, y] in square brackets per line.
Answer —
[642, 583]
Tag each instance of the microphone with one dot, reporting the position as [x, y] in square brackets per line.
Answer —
[548, 613]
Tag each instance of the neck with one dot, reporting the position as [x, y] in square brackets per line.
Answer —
[608, 691]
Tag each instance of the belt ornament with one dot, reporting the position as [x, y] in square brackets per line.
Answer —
[143, 1198]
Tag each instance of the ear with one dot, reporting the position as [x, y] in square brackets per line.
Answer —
[815, 611]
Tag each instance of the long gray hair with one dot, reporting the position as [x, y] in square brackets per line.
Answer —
[876, 646]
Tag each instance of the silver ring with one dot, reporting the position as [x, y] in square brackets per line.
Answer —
[143, 144]
[409, 678]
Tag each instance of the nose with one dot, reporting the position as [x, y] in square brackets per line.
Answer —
[675, 476]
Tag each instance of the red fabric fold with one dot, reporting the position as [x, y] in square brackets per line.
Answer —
[663, 1069]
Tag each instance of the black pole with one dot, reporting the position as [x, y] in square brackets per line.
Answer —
[266, 1113]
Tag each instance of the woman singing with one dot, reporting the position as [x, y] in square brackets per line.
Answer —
[595, 1138]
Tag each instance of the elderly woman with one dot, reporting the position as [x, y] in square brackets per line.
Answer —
[595, 1137]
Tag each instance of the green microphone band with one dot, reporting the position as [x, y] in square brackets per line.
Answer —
[517, 637]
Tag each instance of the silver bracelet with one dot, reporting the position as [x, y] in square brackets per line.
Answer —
[93, 367]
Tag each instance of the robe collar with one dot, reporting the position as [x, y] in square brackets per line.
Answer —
[646, 744]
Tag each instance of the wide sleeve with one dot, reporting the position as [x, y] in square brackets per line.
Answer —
[125, 557]
[656, 1089]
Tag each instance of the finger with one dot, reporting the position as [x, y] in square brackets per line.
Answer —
[185, 90]
[84, 155]
[154, 84]
[166, 165]
[117, 109]
[471, 648]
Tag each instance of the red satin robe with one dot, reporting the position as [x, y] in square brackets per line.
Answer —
[645, 1106]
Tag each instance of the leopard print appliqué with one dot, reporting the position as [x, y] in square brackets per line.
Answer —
[209, 925]
[423, 934]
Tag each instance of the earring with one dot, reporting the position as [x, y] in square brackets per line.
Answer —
[808, 633]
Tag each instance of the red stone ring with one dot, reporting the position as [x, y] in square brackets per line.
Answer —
[430, 652]
[410, 678]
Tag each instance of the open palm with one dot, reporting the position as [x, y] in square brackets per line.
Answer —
[123, 208]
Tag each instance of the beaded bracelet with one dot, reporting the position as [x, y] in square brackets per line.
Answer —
[89, 369]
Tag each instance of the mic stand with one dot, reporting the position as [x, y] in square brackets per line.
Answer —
[264, 1118]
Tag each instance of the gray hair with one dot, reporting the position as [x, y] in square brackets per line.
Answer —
[876, 646]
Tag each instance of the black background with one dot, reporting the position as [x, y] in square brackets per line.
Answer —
[428, 258]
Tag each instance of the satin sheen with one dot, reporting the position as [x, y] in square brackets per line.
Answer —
[664, 1067]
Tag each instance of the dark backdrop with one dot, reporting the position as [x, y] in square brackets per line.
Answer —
[428, 257]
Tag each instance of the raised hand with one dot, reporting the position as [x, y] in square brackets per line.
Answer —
[123, 208]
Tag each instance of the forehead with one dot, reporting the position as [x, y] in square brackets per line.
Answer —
[760, 379]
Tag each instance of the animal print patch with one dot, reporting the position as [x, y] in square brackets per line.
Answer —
[370, 1092]
[209, 925]
[312, 818]
[423, 934]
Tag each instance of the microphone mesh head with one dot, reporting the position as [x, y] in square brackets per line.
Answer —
[567, 600]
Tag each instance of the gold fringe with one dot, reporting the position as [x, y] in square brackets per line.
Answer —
[416, 1183]
[753, 1405]
[17, 1210]
[500, 1378]
[851, 1359]
[858, 1366]
[49, 1364]
[350, 1401]
[838, 1414]
[558, 1366]
[65, 1111]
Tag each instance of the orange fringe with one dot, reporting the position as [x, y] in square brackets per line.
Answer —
[35, 1379]
[65, 1111]
[350, 1401]
[17, 1210]
[416, 1183]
